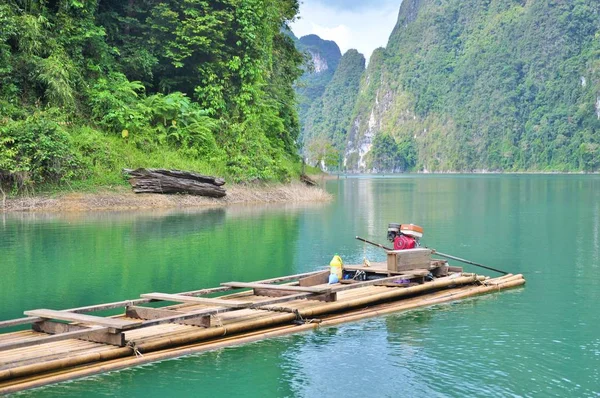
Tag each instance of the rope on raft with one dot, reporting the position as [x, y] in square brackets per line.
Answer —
[131, 344]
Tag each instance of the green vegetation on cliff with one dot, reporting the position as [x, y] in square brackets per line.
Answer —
[322, 60]
[329, 116]
[89, 87]
[487, 85]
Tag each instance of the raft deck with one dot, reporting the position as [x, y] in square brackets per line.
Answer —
[67, 344]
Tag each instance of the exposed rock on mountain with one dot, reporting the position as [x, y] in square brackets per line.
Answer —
[483, 85]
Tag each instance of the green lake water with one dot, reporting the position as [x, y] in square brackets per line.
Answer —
[540, 340]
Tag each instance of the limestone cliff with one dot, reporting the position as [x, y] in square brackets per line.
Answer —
[323, 57]
[329, 115]
[484, 85]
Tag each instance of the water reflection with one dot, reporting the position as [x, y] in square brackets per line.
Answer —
[102, 257]
[541, 340]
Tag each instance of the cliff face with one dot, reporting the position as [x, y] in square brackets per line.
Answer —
[323, 57]
[374, 99]
[485, 85]
[329, 115]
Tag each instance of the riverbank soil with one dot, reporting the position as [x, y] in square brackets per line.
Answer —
[121, 198]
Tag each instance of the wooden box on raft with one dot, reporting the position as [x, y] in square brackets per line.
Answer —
[405, 260]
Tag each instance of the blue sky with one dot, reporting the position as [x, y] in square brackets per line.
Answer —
[364, 25]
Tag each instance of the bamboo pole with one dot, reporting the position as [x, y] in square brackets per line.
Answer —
[462, 260]
[125, 303]
[115, 364]
[391, 293]
[188, 338]
[64, 375]
[251, 325]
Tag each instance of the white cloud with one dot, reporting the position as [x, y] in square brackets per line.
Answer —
[341, 34]
[365, 28]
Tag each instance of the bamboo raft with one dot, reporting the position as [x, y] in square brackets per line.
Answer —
[68, 344]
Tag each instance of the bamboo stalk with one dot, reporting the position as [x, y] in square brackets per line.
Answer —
[387, 294]
[245, 326]
[236, 340]
[236, 328]
[125, 303]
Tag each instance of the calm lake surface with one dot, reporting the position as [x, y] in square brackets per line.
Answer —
[540, 340]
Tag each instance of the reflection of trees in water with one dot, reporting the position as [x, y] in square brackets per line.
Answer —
[114, 256]
[176, 225]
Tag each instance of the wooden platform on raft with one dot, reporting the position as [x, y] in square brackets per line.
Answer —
[67, 344]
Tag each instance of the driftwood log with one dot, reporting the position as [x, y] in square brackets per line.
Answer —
[307, 180]
[175, 181]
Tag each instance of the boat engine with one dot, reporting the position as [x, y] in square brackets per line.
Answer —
[404, 236]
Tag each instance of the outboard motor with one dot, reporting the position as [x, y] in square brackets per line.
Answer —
[404, 236]
[393, 231]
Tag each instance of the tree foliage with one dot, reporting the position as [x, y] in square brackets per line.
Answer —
[329, 115]
[323, 154]
[322, 58]
[389, 156]
[193, 76]
[489, 85]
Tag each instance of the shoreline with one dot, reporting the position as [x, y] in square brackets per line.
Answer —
[118, 198]
[471, 173]
[122, 198]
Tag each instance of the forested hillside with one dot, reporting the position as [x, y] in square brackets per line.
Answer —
[506, 85]
[326, 122]
[89, 87]
[322, 59]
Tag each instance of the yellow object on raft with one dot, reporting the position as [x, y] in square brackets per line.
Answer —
[336, 265]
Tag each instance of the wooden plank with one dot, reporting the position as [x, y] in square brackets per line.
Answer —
[186, 316]
[373, 282]
[49, 356]
[278, 287]
[104, 337]
[88, 319]
[18, 322]
[201, 292]
[337, 288]
[316, 279]
[147, 313]
[287, 278]
[328, 297]
[273, 293]
[404, 260]
[384, 270]
[219, 310]
[178, 298]
[107, 306]
[47, 339]
[126, 303]
[278, 300]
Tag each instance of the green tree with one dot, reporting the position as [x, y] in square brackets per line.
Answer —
[209, 81]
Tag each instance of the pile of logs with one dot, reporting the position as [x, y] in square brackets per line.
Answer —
[175, 181]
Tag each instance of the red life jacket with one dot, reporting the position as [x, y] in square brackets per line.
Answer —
[403, 242]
